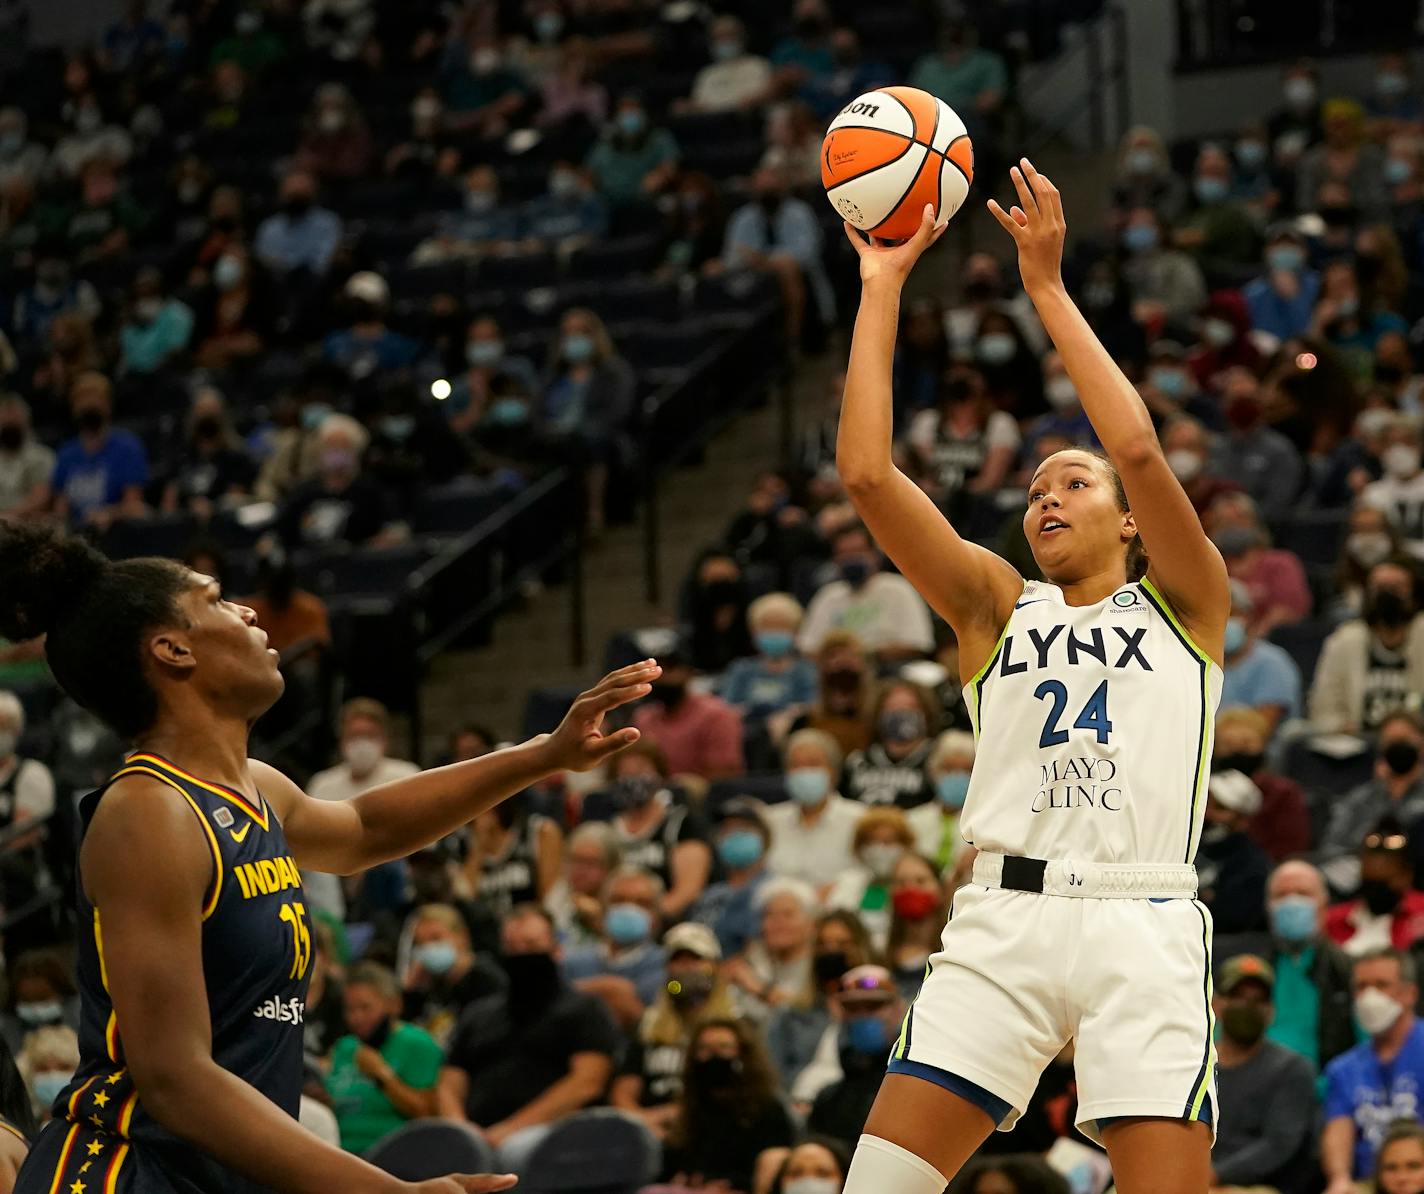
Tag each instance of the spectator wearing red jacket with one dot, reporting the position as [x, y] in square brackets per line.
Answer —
[1388, 912]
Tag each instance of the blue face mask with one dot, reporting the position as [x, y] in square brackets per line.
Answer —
[776, 643]
[1172, 382]
[577, 348]
[507, 412]
[866, 1034]
[398, 427]
[1293, 919]
[995, 348]
[1139, 238]
[1142, 161]
[808, 785]
[48, 1084]
[483, 353]
[1396, 171]
[1289, 258]
[632, 122]
[952, 788]
[740, 848]
[435, 957]
[313, 414]
[1210, 190]
[1235, 635]
[725, 51]
[1251, 154]
[628, 924]
[548, 25]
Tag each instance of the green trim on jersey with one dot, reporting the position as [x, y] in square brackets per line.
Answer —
[975, 687]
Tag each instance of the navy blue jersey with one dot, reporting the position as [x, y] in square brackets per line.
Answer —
[257, 954]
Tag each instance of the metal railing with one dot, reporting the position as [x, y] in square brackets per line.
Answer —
[1094, 89]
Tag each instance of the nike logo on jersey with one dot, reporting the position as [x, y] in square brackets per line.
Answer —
[1030, 601]
[238, 835]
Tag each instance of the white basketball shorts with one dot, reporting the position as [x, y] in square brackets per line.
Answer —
[1020, 974]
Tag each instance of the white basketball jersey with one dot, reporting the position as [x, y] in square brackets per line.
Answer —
[1094, 729]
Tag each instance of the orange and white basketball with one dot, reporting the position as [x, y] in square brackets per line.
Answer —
[891, 151]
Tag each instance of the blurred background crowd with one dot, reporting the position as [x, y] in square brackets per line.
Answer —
[310, 293]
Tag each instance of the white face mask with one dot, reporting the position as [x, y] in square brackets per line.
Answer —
[361, 754]
[1376, 1011]
[1061, 393]
[1400, 461]
[881, 857]
[811, 1185]
[1185, 464]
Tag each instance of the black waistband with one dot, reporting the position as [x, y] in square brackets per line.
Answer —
[1022, 874]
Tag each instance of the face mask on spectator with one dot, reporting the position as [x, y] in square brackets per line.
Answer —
[881, 857]
[1172, 382]
[632, 122]
[88, 119]
[146, 310]
[952, 788]
[1376, 1011]
[829, 965]
[995, 348]
[1098, 295]
[855, 571]
[842, 679]
[811, 1185]
[740, 848]
[485, 61]
[1218, 332]
[775, 643]
[633, 791]
[548, 26]
[435, 957]
[91, 420]
[12, 437]
[47, 1084]
[667, 693]
[564, 184]
[1061, 393]
[628, 924]
[507, 412]
[1400, 461]
[808, 786]
[313, 413]
[1251, 154]
[361, 754]
[1244, 1023]
[902, 725]
[1397, 171]
[398, 427]
[1286, 258]
[1140, 238]
[914, 903]
[1379, 897]
[484, 353]
[10, 143]
[725, 51]
[1243, 412]
[227, 273]
[1235, 541]
[1235, 635]
[481, 201]
[1368, 548]
[1299, 92]
[533, 979]
[1142, 160]
[1391, 84]
[331, 120]
[1385, 607]
[426, 109]
[1293, 919]
[867, 1034]
[40, 1012]
[577, 347]
[692, 987]
[1210, 189]
[1186, 465]
[716, 1073]
[1400, 757]
[296, 206]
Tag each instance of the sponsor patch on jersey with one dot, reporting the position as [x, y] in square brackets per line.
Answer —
[1125, 598]
[223, 817]
[284, 1011]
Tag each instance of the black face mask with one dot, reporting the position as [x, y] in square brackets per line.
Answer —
[667, 694]
[1401, 757]
[12, 438]
[296, 208]
[693, 987]
[1385, 607]
[722, 592]
[224, 224]
[91, 420]
[811, 27]
[533, 980]
[378, 1036]
[979, 291]
[829, 966]
[1338, 217]
[1245, 761]
[207, 428]
[1380, 898]
[842, 679]
[1244, 1023]
[717, 1073]
[633, 791]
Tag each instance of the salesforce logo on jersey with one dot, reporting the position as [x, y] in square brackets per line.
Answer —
[1079, 782]
[284, 1011]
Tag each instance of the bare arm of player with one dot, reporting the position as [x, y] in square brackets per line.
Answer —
[1185, 564]
[146, 868]
[970, 587]
[398, 818]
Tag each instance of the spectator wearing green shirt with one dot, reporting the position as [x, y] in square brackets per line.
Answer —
[1221, 232]
[250, 45]
[384, 1072]
[633, 161]
[970, 80]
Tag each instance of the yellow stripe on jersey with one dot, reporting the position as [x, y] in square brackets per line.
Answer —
[126, 1113]
[975, 681]
[258, 812]
[212, 901]
[1167, 609]
[111, 1178]
[111, 1029]
[64, 1155]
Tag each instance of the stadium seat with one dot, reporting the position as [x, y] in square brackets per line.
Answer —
[1314, 535]
[544, 708]
[425, 1149]
[768, 787]
[455, 508]
[162, 535]
[594, 1152]
[519, 271]
[621, 258]
[1302, 641]
[367, 571]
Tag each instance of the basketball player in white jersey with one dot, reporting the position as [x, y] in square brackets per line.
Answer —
[1093, 695]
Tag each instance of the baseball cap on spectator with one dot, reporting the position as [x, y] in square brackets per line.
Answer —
[869, 984]
[368, 286]
[692, 938]
[1246, 968]
[1235, 791]
[743, 808]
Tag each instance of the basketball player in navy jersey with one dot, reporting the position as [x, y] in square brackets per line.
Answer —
[1093, 694]
[195, 940]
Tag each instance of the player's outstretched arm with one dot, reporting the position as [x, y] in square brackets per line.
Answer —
[146, 868]
[1185, 565]
[396, 819]
[970, 587]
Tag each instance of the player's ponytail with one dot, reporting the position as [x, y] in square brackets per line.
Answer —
[95, 614]
[1136, 553]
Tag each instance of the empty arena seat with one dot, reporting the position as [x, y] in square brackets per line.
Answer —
[455, 508]
[1314, 535]
[374, 571]
[595, 1152]
[519, 270]
[769, 787]
[544, 708]
[162, 535]
[619, 258]
[425, 1149]
[1302, 642]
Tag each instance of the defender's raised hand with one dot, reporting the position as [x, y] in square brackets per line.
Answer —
[1036, 223]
